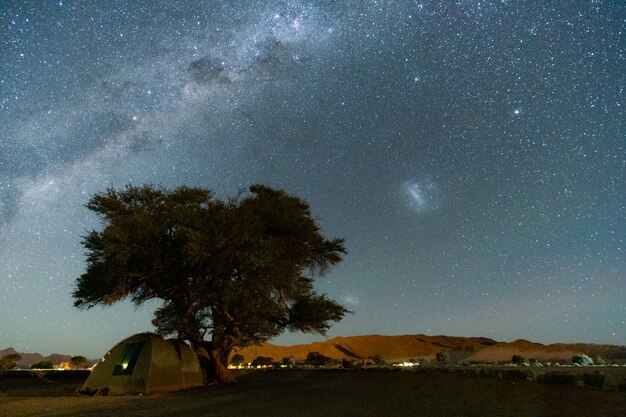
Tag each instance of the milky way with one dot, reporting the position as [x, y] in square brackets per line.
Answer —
[472, 154]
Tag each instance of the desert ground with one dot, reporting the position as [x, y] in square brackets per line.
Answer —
[430, 392]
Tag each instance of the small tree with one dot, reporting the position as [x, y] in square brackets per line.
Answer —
[9, 361]
[317, 359]
[237, 359]
[44, 364]
[442, 358]
[262, 361]
[78, 361]
[289, 361]
[520, 360]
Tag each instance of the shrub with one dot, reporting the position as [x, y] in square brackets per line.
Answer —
[262, 361]
[9, 361]
[317, 359]
[237, 359]
[289, 361]
[442, 358]
[520, 360]
[594, 380]
[349, 363]
[78, 362]
[558, 378]
[44, 364]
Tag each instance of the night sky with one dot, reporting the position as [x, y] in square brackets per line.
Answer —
[471, 153]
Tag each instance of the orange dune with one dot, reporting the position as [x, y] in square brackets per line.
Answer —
[419, 346]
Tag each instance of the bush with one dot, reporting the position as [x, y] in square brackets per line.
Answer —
[519, 360]
[237, 359]
[9, 361]
[262, 361]
[44, 364]
[594, 380]
[558, 378]
[317, 359]
[442, 358]
[378, 359]
[289, 361]
[78, 362]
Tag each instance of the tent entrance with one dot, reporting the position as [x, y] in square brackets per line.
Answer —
[128, 359]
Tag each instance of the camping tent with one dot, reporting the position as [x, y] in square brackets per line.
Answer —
[145, 363]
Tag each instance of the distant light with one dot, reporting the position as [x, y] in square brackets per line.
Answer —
[406, 364]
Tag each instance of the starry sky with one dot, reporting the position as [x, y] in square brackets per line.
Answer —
[471, 153]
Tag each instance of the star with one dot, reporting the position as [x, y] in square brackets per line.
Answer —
[467, 162]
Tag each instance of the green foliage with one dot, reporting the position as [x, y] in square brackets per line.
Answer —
[317, 359]
[78, 361]
[9, 361]
[241, 270]
[520, 360]
[237, 359]
[44, 364]
[262, 361]
[442, 358]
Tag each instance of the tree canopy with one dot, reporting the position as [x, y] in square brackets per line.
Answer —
[9, 361]
[78, 361]
[229, 273]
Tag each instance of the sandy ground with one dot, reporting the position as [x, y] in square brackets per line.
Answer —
[303, 393]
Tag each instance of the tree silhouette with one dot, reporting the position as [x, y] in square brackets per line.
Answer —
[229, 273]
[237, 359]
[78, 361]
[9, 361]
[43, 364]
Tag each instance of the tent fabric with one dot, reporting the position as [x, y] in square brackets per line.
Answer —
[145, 363]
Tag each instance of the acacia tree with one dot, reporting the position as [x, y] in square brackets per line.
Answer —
[9, 361]
[229, 273]
[78, 361]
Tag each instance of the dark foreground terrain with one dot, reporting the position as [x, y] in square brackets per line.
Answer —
[302, 393]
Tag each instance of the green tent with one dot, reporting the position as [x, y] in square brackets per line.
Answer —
[145, 363]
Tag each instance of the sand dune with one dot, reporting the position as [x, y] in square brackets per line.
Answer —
[399, 348]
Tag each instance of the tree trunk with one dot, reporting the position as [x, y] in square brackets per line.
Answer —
[213, 366]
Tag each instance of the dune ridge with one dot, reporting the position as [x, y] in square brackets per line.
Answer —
[420, 346]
